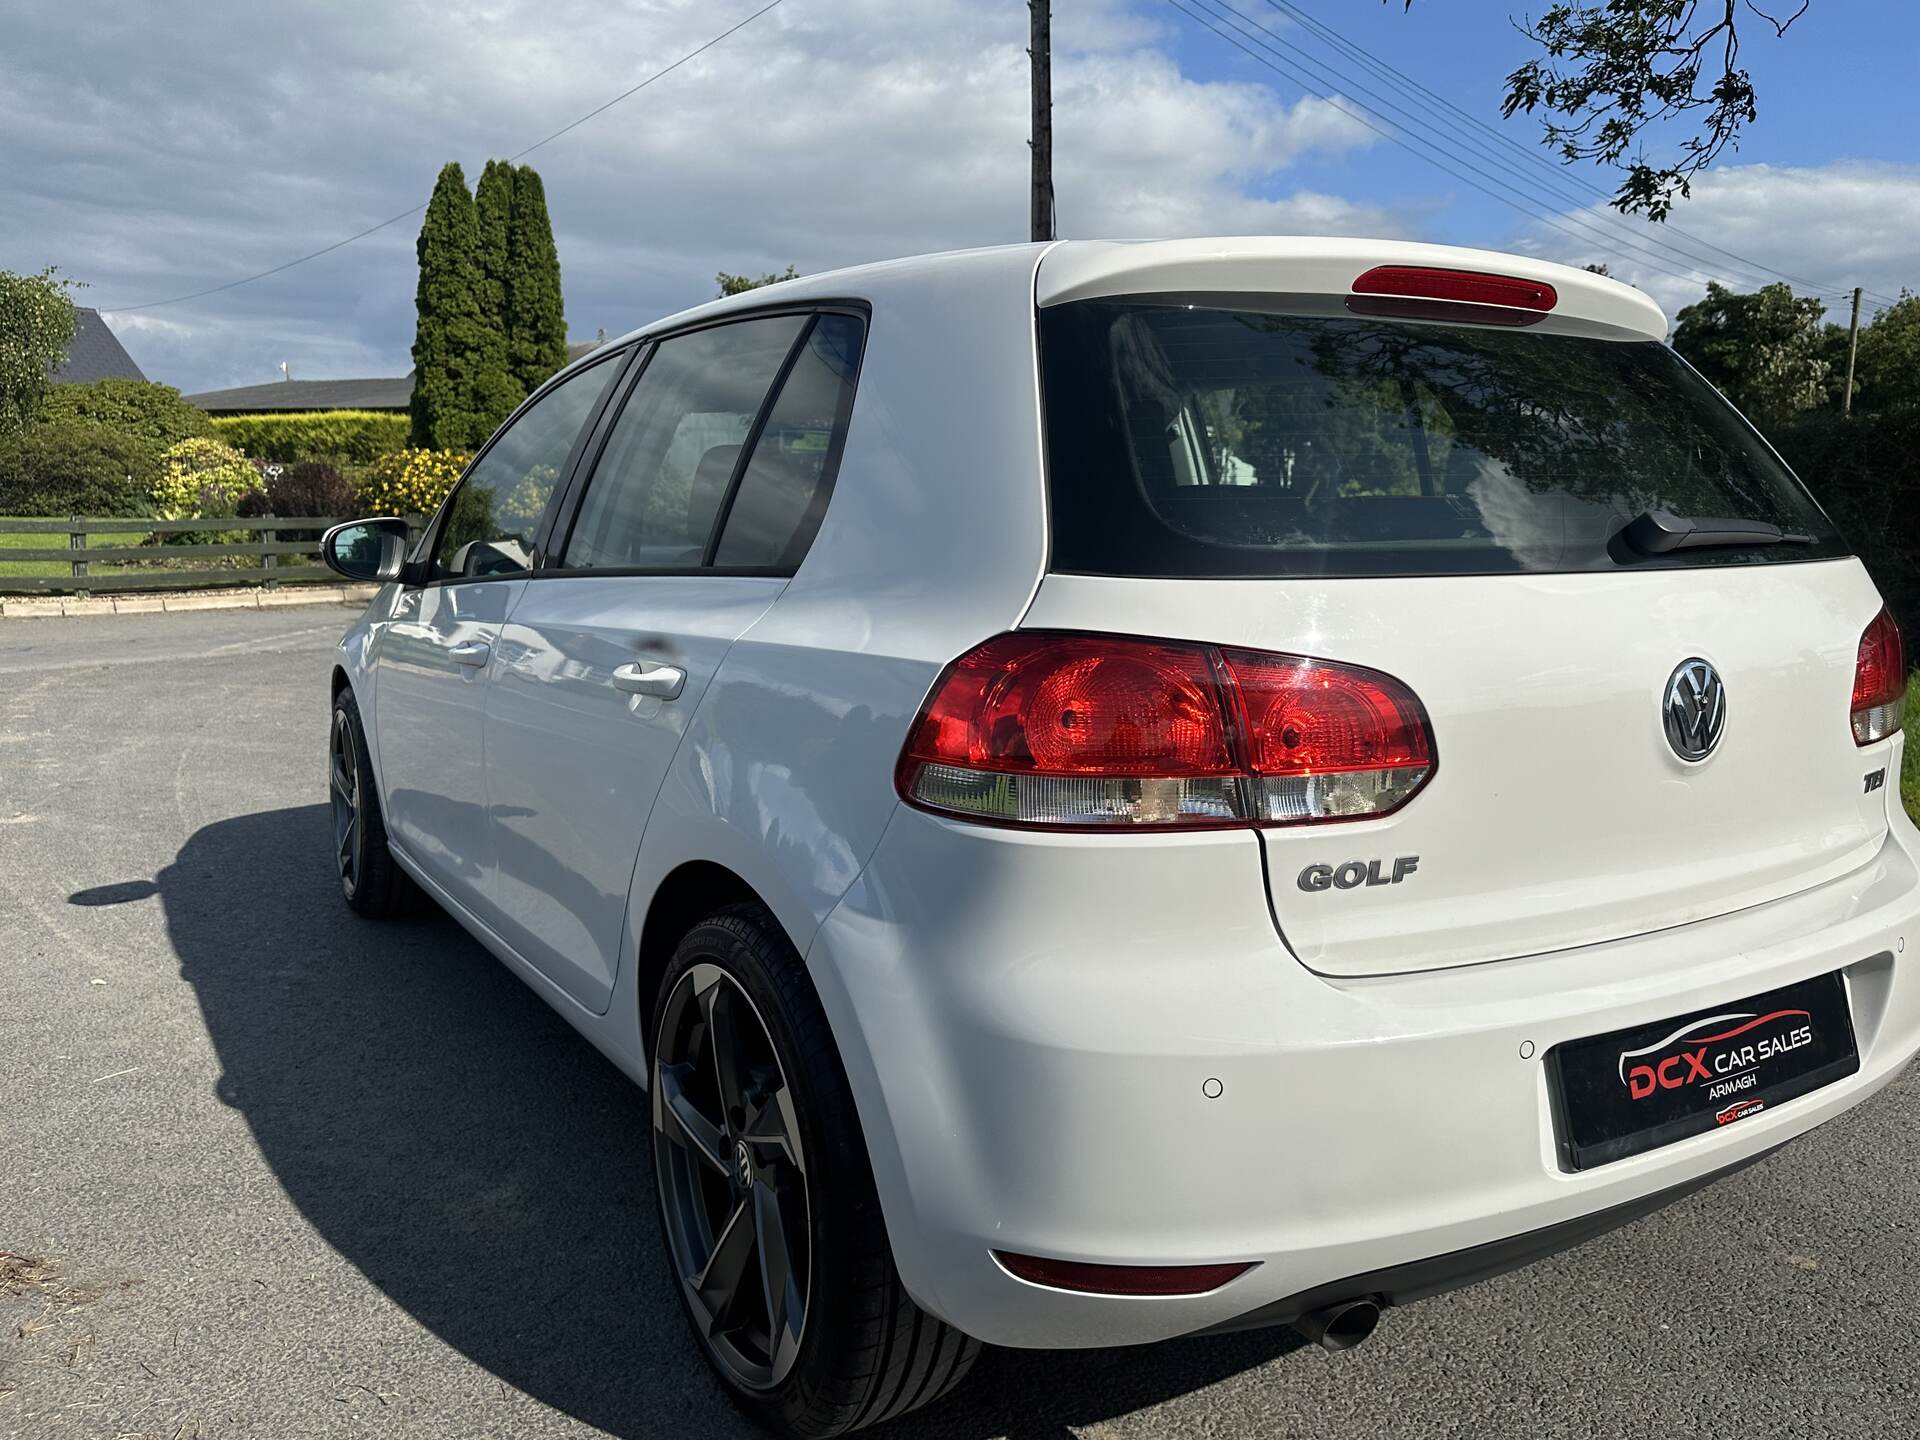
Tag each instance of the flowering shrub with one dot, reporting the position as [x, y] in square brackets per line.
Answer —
[409, 482]
[200, 478]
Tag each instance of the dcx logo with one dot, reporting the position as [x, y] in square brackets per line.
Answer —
[1357, 872]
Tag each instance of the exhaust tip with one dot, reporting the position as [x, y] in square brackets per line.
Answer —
[1341, 1326]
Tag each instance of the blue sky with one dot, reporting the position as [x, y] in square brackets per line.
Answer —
[148, 162]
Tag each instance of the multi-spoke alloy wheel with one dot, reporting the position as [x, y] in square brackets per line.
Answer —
[733, 1176]
[343, 782]
[373, 884]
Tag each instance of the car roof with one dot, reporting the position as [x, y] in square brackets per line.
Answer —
[1067, 270]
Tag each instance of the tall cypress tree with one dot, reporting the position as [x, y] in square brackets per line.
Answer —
[493, 204]
[536, 314]
[462, 388]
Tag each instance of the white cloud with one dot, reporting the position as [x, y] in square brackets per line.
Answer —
[231, 136]
[1830, 227]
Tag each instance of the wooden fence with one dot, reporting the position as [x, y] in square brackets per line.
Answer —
[274, 560]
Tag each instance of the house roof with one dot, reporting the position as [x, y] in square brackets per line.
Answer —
[370, 394]
[95, 354]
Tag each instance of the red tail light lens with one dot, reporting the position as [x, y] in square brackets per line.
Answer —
[1328, 741]
[1879, 682]
[1096, 731]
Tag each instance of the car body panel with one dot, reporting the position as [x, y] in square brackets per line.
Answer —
[573, 764]
[1558, 814]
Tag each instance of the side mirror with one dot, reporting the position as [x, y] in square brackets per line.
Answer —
[367, 549]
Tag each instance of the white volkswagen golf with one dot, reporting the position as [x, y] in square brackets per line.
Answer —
[1111, 791]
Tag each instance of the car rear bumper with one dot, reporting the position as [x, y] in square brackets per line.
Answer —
[1095, 1048]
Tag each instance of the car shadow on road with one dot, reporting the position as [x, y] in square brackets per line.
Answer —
[478, 1161]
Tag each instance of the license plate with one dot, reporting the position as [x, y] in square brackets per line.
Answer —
[1636, 1089]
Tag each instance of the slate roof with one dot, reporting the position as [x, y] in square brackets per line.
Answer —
[95, 354]
[371, 394]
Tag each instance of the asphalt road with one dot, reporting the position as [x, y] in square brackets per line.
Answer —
[282, 1172]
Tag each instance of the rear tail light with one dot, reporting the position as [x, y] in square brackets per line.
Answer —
[1103, 731]
[1120, 1279]
[1879, 682]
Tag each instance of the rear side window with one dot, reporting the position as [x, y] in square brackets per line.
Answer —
[784, 489]
[671, 455]
[1209, 439]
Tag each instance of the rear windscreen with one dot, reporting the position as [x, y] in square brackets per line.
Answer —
[1209, 440]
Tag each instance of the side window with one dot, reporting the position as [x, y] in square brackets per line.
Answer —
[787, 483]
[491, 517]
[653, 496]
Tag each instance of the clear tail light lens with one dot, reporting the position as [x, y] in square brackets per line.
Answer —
[1098, 732]
[1879, 682]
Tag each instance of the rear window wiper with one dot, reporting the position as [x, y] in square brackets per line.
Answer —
[1656, 532]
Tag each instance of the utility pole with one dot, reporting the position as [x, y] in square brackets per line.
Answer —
[1853, 349]
[1040, 53]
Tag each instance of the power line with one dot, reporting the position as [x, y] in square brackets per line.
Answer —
[1237, 37]
[404, 214]
[1529, 203]
[1394, 76]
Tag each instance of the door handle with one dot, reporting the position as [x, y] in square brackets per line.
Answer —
[474, 653]
[639, 678]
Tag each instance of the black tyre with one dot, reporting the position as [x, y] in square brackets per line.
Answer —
[372, 883]
[767, 1202]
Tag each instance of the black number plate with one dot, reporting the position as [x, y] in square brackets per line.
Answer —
[1637, 1089]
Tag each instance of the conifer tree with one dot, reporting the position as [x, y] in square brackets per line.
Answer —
[536, 314]
[462, 388]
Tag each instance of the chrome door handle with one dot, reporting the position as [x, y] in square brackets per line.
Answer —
[639, 678]
[470, 652]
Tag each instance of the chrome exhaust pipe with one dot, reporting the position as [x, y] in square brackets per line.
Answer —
[1341, 1326]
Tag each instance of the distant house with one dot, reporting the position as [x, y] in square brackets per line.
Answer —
[278, 396]
[95, 354]
[304, 395]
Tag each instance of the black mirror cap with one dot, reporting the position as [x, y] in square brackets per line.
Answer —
[372, 550]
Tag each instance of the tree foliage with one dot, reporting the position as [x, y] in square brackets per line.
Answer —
[36, 326]
[70, 465]
[462, 387]
[493, 209]
[154, 413]
[1888, 372]
[1768, 351]
[536, 326]
[1615, 72]
[740, 284]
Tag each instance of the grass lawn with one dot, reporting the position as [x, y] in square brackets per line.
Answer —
[50, 542]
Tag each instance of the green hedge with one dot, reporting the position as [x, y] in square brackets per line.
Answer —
[1865, 472]
[353, 435]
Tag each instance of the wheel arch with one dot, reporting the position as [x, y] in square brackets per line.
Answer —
[685, 896]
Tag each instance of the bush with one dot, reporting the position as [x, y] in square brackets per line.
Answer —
[201, 479]
[311, 487]
[357, 436]
[141, 409]
[73, 466]
[409, 482]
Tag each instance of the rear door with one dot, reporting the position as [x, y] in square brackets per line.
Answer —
[1445, 502]
[711, 477]
[438, 646]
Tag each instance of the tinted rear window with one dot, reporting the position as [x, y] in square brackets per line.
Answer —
[1211, 440]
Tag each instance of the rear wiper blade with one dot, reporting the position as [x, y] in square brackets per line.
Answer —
[1655, 532]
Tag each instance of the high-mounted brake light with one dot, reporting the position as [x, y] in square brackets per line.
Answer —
[1879, 681]
[1425, 292]
[1108, 731]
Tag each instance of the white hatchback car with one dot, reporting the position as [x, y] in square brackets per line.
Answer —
[1112, 791]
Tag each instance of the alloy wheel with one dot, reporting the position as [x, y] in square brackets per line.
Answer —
[343, 784]
[732, 1175]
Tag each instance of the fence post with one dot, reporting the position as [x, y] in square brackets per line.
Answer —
[77, 543]
[269, 561]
